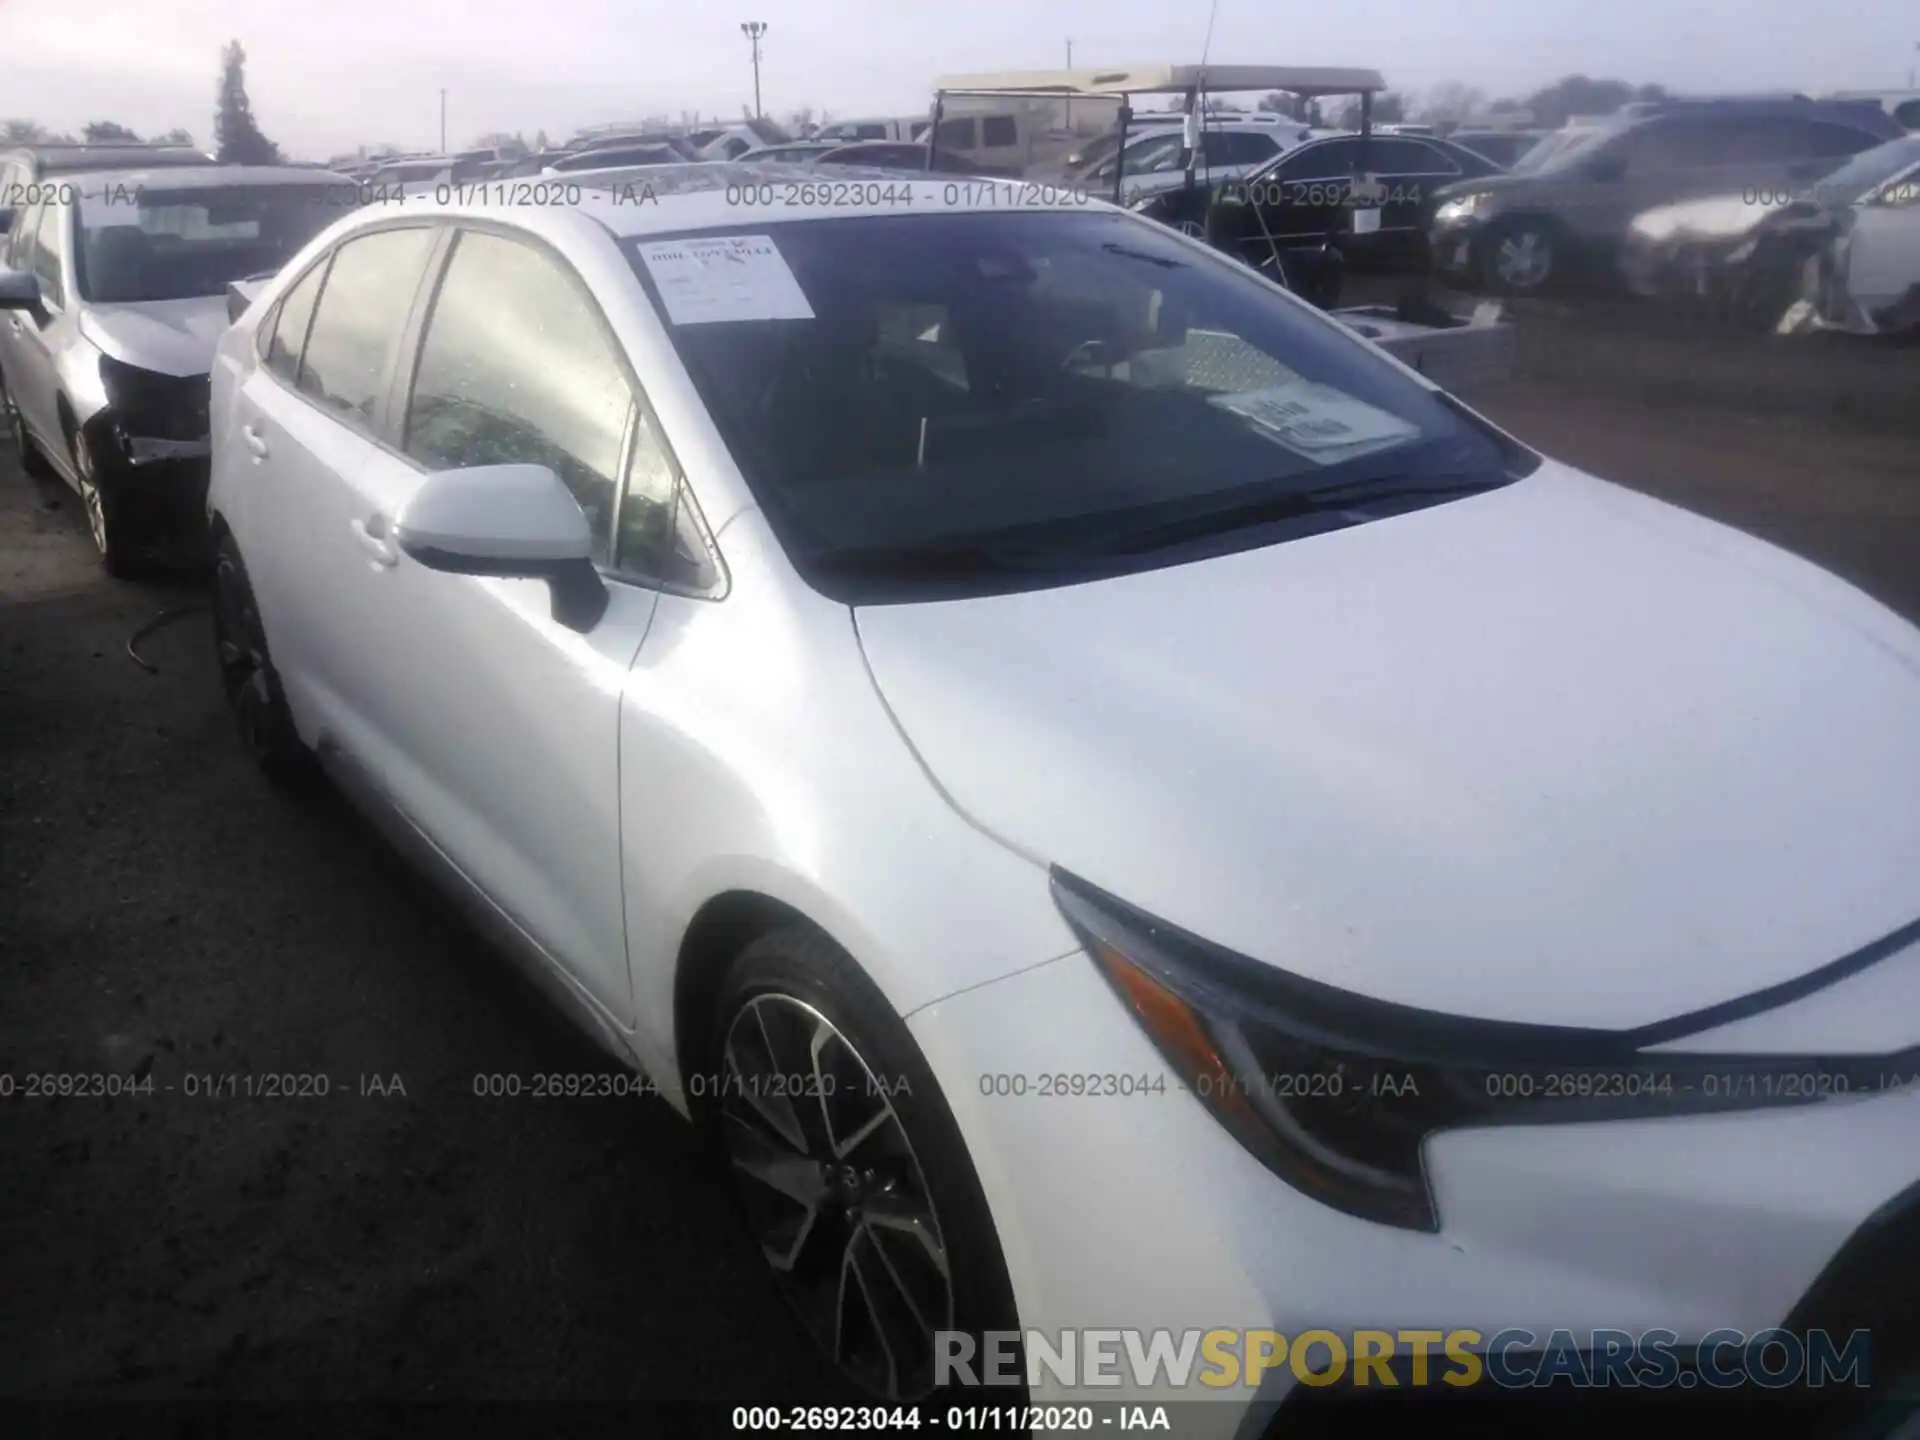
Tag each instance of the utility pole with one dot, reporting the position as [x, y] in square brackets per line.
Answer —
[1068, 125]
[753, 30]
[443, 122]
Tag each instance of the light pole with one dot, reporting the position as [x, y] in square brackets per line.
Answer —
[1068, 119]
[443, 122]
[753, 30]
[1910, 67]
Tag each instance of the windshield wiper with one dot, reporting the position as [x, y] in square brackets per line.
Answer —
[1079, 542]
[1164, 262]
[938, 559]
[1288, 505]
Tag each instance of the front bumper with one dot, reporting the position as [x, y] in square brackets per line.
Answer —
[1139, 1211]
[1451, 243]
[158, 485]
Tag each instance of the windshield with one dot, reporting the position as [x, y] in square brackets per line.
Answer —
[893, 387]
[1151, 154]
[145, 244]
[1869, 170]
[1551, 149]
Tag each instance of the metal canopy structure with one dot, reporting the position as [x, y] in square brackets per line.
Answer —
[1123, 82]
[1120, 81]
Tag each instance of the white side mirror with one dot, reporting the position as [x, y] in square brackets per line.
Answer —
[507, 520]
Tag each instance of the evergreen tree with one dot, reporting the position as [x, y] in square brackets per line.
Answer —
[241, 142]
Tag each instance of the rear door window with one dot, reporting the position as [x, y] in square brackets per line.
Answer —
[1826, 141]
[355, 334]
[287, 336]
[1762, 139]
[1334, 160]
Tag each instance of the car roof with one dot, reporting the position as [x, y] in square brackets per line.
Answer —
[1865, 114]
[52, 159]
[215, 177]
[1308, 80]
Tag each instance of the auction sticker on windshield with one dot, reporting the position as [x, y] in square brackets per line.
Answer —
[730, 277]
[1323, 424]
[107, 208]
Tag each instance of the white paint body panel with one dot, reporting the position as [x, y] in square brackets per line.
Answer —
[1557, 753]
[1139, 1210]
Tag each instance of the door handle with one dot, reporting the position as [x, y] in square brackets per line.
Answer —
[256, 442]
[372, 535]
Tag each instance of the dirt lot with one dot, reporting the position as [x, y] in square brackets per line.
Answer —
[167, 914]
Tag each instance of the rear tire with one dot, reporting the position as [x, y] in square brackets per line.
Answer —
[248, 680]
[858, 1190]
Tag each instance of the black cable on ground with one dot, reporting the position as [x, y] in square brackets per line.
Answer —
[165, 617]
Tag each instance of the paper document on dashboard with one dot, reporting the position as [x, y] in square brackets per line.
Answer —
[1325, 425]
[730, 277]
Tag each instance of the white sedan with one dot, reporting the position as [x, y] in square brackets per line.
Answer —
[1125, 807]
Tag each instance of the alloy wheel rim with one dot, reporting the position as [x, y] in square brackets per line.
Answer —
[90, 493]
[243, 668]
[835, 1195]
[1524, 260]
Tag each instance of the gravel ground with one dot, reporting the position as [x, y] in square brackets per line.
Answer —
[168, 914]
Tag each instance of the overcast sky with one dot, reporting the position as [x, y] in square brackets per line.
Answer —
[370, 71]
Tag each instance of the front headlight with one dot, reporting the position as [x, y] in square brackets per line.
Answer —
[1894, 194]
[148, 404]
[1462, 206]
[1337, 1093]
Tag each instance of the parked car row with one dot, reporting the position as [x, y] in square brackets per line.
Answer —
[1731, 207]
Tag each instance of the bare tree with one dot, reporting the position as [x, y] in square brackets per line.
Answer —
[1579, 95]
[501, 140]
[1451, 104]
[31, 132]
[1389, 108]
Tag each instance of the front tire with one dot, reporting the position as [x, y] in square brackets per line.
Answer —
[247, 678]
[114, 534]
[851, 1170]
[1521, 257]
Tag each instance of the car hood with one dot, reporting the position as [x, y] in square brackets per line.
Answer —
[1556, 753]
[1715, 218]
[1492, 184]
[173, 337]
